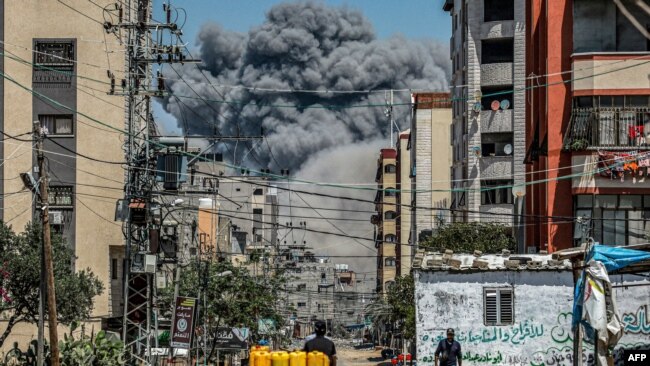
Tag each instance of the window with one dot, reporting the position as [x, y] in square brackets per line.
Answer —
[496, 144]
[301, 287]
[258, 192]
[114, 268]
[497, 10]
[390, 168]
[615, 219]
[390, 215]
[495, 192]
[390, 238]
[389, 262]
[490, 94]
[390, 192]
[499, 50]
[498, 305]
[54, 55]
[60, 196]
[56, 124]
[302, 304]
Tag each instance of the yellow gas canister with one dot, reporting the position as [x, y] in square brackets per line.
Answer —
[263, 358]
[315, 358]
[251, 357]
[326, 360]
[297, 358]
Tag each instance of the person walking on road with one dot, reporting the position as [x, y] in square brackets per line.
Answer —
[321, 343]
[448, 351]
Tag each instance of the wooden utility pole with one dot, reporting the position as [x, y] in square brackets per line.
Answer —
[47, 248]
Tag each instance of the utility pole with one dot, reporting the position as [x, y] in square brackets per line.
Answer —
[389, 113]
[47, 247]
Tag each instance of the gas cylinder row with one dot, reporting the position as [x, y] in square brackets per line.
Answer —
[262, 356]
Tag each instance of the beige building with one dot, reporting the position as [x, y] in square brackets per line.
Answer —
[59, 56]
[431, 161]
[386, 219]
[404, 250]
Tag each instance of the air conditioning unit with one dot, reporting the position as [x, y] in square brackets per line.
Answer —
[150, 263]
[56, 217]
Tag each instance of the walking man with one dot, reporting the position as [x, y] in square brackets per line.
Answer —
[321, 343]
[448, 351]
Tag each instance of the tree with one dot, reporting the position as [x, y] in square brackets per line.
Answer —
[466, 237]
[236, 300]
[401, 299]
[20, 266]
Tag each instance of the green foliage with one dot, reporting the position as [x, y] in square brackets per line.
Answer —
[236, 300]
[20, 266]
[96, 350]
[401, 300]
[467, 237]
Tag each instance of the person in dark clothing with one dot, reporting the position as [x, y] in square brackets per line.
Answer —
[449, 351]
[321, 344]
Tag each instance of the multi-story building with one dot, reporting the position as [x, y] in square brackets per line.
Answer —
[488, 50]
[403, 250]
[589, 123]
[386, 219]
[55, 55]
[430, 156]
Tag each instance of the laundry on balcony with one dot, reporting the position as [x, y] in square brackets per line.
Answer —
[618, 165]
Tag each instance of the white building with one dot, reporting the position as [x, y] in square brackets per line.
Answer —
[506, 312]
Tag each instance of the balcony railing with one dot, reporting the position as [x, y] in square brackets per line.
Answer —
[611, 128]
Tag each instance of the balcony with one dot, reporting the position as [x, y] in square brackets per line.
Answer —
[498, 29]
[496, 167]
[609, 128]
[496, 121]
[496, 74]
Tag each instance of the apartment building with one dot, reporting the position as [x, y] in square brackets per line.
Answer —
[386, 219]
[588, 127]
[430, 157]
[52, 51]
[488, 50]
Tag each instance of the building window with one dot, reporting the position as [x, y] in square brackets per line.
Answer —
[498, 10]
[301, 287]
[390, 168]
[500, 50]
[56, 124]
[54, 55]
[613, 219]
[60, 196]
[496, 192]
[496, 144]
[390, 215]
[390, 238]
[114, 268]
[258, 192]
[302, 304]
[389, 262]
[390, 192]
[498, 304]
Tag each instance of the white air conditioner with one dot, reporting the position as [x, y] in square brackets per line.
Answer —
[150, 263]
[56, 217]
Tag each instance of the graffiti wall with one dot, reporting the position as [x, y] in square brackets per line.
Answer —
[540, 333]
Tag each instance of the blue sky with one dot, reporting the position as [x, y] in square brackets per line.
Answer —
[416, 19]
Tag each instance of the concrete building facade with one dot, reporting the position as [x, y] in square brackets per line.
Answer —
[51, 52]
[488, 50]
[589, 129]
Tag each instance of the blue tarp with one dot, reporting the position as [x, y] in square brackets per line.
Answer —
[614, 258]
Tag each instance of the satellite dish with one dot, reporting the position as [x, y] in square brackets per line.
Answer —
[477, 107]
[507, 149]
[495, 105]
[505, 104]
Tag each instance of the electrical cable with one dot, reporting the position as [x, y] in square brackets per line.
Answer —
[84, 156]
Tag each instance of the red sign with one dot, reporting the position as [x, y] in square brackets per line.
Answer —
[183, 326]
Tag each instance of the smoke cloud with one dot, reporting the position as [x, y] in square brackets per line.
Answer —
[306, 46]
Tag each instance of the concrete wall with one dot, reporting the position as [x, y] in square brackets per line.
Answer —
[404, 166]
[541, 333]
[621, 72]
